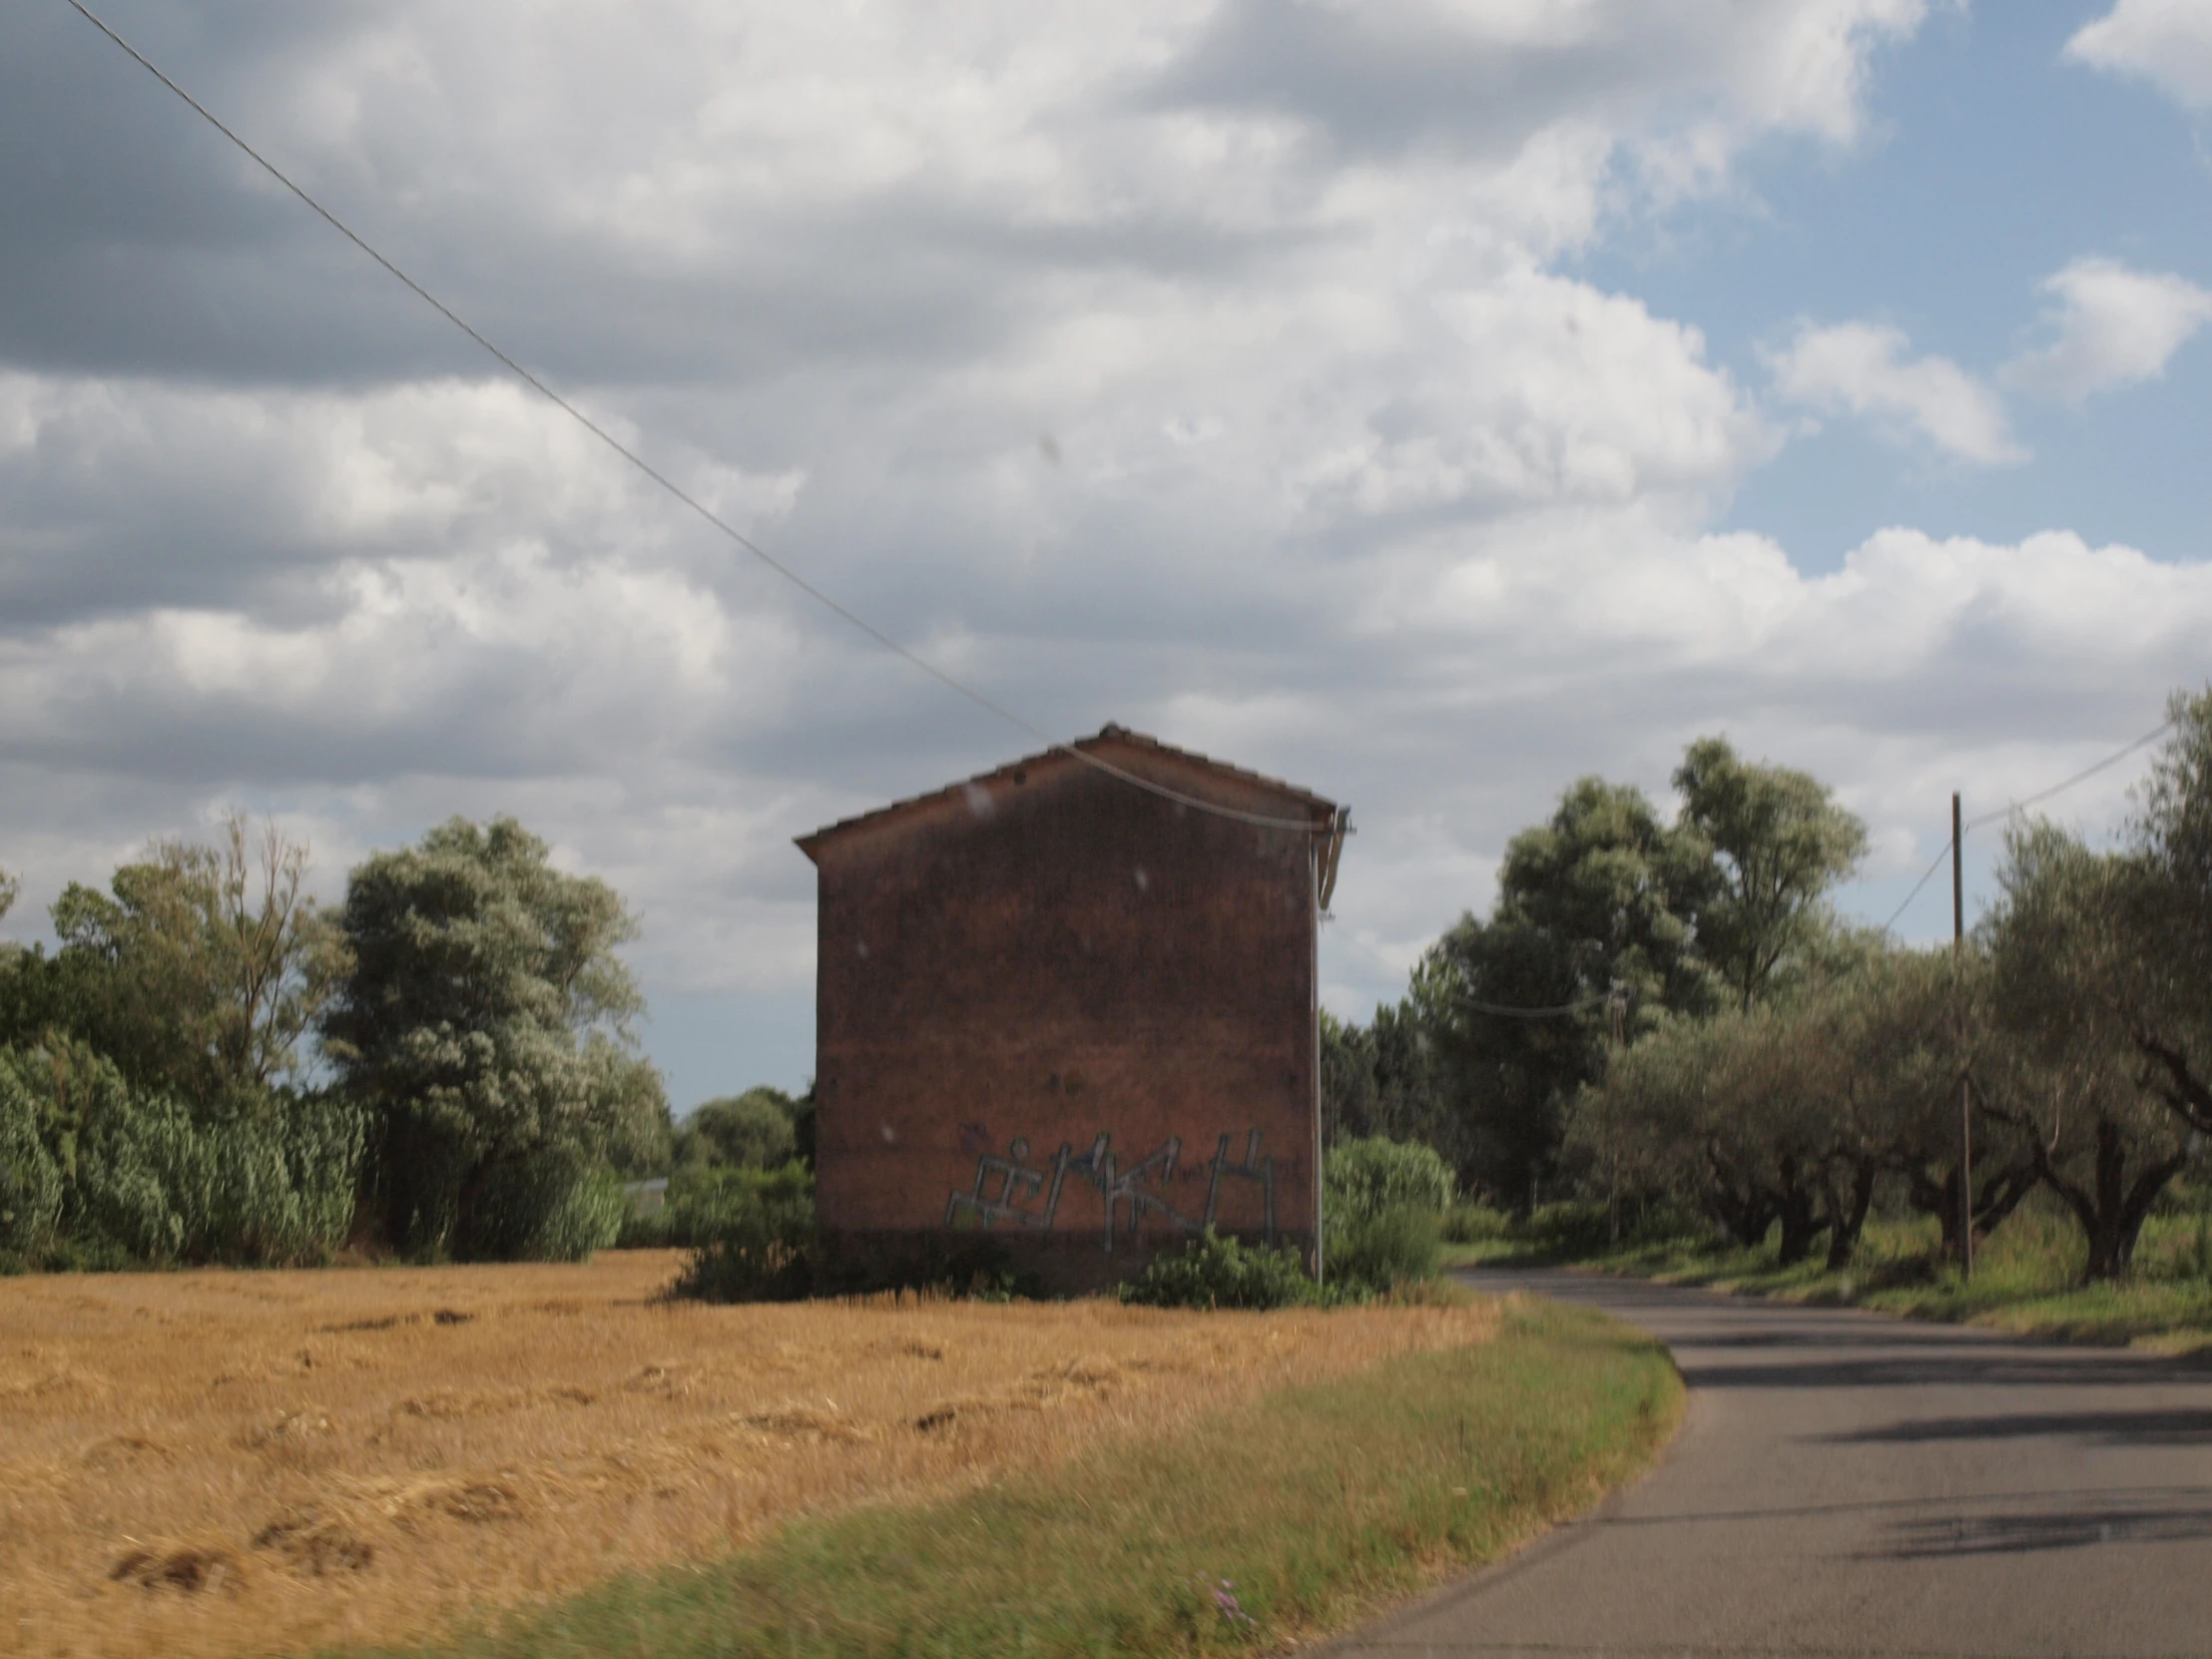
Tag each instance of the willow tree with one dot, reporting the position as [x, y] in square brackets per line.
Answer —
[488, 1025]
[1778, 844]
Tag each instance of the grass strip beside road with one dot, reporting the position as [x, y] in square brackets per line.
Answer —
[1309, 1509]
[2026, 1278]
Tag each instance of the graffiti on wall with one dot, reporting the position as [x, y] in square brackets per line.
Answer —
[1015, 1191]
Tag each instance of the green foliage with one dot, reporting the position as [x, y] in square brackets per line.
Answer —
[1388, 1078]
[1611, 912]
[752, 1233]
[1382, 1207]
[547, 1208]
[30, 1184]
[1595, 901]
[2027, 1278]
[201, 971]
[2067, 1076]
[969, 1266]
[641, 1226]
[1474, 1223]
[1363, 1178]
[755, 1232]
[1368, 1255]
[1218, 1270]
[139, 1179]
[1798, 1108]
[485, 1025]
[701, 1197]
[754, 1129]
[1567, 1228]
[1778, 843]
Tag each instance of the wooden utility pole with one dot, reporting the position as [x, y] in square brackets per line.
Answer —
[1616, 1008]
[1966, 1098]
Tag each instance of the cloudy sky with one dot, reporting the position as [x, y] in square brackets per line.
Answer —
[1429, 403]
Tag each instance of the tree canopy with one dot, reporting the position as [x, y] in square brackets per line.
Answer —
[1775, 843]
[486, 1024]
[753, 1130]
[198, 973]
[1626, 921]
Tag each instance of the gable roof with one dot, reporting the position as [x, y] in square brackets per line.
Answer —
[1324, 816]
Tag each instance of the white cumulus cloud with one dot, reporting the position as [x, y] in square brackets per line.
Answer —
[2114, 327]
[2166, 42]
[1355, 474]
[1866, 368]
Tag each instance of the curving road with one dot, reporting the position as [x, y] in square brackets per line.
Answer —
[1851, 1484]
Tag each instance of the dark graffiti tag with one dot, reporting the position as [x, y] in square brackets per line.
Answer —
[1254, 1168]
[1028, 1194]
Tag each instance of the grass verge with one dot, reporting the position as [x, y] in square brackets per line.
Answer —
[2026, 1278]
[1294, 1515]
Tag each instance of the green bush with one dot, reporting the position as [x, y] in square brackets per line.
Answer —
[1218, 1272]
[1476, 1224]
[753, 1232]
[551, 1207]
[1383, 1209]
[703, 1198]
[751, 1130]
[1366, 1177]
[1569, 1228]
[1662, 1221]
[1367, 1255]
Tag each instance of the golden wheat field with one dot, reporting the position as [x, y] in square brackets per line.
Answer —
[203, 1464]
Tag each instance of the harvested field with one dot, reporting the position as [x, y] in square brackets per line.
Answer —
[209, 1464]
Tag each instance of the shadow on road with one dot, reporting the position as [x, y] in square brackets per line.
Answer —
[1921, 1540]
[1989, 1369]
[2102, 1428]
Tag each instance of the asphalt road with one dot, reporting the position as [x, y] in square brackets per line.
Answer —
[1851, 1484]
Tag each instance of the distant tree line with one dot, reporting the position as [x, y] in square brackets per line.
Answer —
[210, 1068]
[1735, 1050]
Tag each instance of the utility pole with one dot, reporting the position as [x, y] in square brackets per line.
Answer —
[1616, 1006]
[1966, 1098]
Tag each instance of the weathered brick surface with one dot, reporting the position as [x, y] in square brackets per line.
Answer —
[1050, 956]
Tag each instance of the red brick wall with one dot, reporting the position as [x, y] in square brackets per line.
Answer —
[1049, 961]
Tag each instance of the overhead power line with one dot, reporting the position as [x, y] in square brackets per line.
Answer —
[1557, 1011]
[668, 485]
[2026, 801]
[2086, 773]
[1926, 876]
[989, 705]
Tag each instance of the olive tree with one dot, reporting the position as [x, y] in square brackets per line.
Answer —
[1733, 1113]
[2069, 1076]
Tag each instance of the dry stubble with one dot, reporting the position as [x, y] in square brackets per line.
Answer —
[215, 1462]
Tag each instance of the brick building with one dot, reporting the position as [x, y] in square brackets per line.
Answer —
[1072, 1012]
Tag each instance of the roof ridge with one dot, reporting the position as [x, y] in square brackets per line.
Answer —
[1111, 732]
